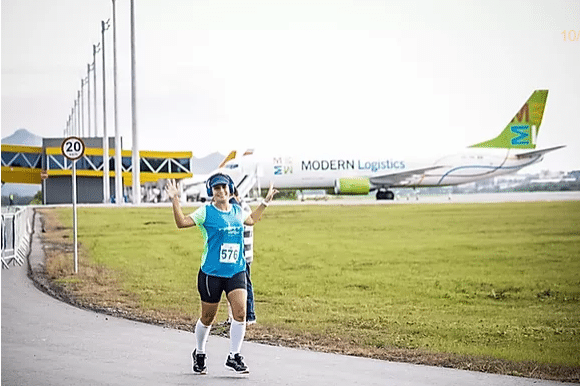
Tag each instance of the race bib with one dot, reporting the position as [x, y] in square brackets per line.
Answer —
[229, 253]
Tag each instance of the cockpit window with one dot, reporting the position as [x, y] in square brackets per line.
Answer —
[232, 166]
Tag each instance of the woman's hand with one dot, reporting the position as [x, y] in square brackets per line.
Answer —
[271, 192]
[171, 189]
[257, 213]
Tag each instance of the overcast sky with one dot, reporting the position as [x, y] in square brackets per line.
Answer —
[370, 77]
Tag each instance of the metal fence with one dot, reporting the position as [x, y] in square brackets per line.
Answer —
[17, 226]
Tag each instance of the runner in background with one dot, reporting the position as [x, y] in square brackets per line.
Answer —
[249, 256]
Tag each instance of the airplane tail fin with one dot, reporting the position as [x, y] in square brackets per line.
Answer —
[522, 131]
[229, 157]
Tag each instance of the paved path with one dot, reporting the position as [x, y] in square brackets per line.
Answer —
[47, 342]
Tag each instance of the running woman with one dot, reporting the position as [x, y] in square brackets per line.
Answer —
[223, 267]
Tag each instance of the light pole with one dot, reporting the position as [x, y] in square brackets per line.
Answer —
[118, 163]
[72, 121]
[82, 104]
[135, 155]
[75, 114]
[89, 100]
[79, 116]
[106, 188]
[96, 49]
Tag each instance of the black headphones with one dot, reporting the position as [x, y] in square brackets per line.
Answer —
[231, 185]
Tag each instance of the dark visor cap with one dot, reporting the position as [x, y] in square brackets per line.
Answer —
[218, 180]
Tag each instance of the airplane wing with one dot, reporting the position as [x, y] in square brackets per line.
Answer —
[531, 154]
[401, 177]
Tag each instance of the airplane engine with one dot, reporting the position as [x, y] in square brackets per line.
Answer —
[352, 185]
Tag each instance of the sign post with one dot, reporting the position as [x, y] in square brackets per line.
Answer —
[73, 148]
[43, 177]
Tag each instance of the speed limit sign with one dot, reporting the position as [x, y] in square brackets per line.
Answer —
[73, 148]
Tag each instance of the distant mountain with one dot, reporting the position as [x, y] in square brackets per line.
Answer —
[22, 137]
[206, 164]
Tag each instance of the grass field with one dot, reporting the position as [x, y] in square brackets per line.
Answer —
[499, 280]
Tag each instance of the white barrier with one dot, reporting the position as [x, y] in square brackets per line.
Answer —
[17, 227]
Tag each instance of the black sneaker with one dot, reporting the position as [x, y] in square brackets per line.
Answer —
[236, 364]
[198, 360]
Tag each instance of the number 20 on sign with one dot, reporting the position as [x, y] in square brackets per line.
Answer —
[73, 148]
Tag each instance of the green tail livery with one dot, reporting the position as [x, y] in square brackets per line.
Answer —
[522, 131]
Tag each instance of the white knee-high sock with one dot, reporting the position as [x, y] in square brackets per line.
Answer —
[237, 333]
[201, 335]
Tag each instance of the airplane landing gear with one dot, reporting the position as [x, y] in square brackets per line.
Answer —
[384, 194]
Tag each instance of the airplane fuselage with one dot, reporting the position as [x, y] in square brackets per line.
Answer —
[316, 172]
[513, 149]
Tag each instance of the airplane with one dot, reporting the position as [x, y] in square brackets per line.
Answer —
[513, 149]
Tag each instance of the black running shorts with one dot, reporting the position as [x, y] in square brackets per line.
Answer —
[210, 287]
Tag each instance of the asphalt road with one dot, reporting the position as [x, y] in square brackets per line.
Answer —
[47, 342]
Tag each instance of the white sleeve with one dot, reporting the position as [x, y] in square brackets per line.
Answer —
[246, 211]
